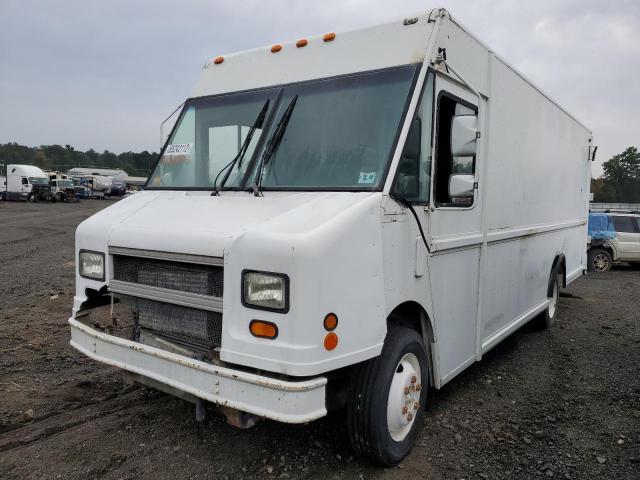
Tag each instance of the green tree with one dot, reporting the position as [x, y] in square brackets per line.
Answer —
[621, 179]
[57, 157]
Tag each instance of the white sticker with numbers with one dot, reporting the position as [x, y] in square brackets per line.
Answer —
[179, 149]
[367, 177]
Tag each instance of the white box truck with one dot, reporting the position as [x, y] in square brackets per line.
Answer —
[345, 221]
[26, 183]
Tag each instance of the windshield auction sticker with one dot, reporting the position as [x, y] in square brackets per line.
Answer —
[179, 149]
[367, 177]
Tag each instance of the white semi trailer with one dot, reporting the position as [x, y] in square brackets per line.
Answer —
[348, 220]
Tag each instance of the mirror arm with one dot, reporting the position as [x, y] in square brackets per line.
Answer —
[440, 60]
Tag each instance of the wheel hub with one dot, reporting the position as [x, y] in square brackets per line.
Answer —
[404, 397]
[600, 262]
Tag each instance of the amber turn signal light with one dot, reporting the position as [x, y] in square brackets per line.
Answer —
[330, 341]
[301, 43]
[329, 37]
[218, 60]
[262, 329]
[330, 322]
[276, 48]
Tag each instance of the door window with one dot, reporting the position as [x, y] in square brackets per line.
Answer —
[624, 224]
[446, 163]
[413, 177]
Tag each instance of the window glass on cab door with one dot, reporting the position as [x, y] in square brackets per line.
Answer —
[446, 163]
[624, 224]
[413, 177]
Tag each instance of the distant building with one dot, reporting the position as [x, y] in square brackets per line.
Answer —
[135, 180]
[104, 172]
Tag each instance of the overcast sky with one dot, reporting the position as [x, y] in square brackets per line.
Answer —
[104, 74]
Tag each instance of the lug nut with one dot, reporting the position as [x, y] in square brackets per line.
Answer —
[414, 379]
[416, 405]
[410, 417]
[406, 390]
[418, 387]
[404, 410]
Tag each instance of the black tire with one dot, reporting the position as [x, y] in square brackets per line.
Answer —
[599, 260]
[549, 316]
[369, 397]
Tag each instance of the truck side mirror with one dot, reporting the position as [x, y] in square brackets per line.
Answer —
[464, 130]
[461, 185]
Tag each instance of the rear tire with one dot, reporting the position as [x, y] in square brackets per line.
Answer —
[549, 316]
[385, 408]
[599, 260]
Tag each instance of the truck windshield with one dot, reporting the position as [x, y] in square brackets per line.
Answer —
[341, 132]
[209, 134]
[65, 184]
[340, 135]
[38, 181]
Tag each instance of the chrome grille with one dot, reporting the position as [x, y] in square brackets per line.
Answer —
[184, 277]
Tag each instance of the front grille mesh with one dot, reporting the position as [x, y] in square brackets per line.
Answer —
[195, 329]
[184, 277]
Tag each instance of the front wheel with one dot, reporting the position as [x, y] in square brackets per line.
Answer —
[387, 396]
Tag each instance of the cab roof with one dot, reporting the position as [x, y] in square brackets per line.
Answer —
[400, 42]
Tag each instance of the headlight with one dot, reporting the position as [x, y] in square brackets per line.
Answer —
[91, 265]
[265, 290]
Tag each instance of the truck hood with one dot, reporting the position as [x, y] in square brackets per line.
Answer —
[207, 225]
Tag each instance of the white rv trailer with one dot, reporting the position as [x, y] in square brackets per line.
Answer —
[21, 180]
[358, 215]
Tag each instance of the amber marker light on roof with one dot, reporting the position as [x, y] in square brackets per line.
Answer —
[301, 43]
[218, 60]
[276, 48]
[262, 329]
[329, 37]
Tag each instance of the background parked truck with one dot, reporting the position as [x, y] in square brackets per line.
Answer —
[26, 183]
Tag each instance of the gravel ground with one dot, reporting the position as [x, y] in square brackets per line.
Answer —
[563, 403]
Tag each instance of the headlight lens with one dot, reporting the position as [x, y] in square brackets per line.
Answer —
[91, 265]
[264, 290]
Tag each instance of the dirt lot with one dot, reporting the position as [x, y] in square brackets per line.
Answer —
[563, 403]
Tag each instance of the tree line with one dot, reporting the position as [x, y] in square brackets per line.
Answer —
[57, 157]
[620, 182]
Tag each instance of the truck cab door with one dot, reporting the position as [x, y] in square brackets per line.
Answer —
[628, 236]
[24, 185]
[451, 224]
[455, 231]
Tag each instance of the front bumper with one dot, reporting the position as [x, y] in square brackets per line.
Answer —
[284, 401]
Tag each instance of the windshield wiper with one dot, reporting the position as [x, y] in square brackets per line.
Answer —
[243, 149]
[274, 143]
